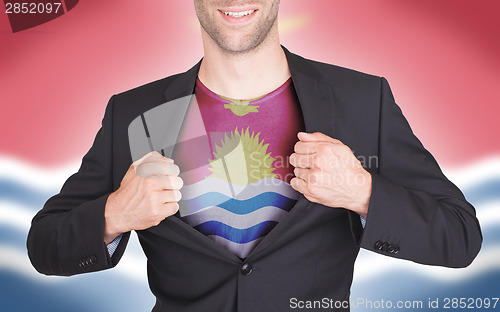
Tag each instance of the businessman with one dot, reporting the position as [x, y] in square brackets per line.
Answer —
[262, 191]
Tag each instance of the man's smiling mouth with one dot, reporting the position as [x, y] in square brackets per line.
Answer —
[239, 14]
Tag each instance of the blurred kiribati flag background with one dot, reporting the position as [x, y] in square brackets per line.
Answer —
[442, 59]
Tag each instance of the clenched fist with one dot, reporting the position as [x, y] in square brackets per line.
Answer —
[327, 172]
[148, 193]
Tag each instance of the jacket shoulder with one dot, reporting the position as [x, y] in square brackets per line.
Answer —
[337, 74]
[149, 90]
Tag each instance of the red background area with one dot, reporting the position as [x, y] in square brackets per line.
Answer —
[440, 57]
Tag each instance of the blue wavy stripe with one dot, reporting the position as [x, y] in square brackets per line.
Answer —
[240, 236]
[491, 237]
[485, 191]
[239, 206]
[12, 236]
[19, 193]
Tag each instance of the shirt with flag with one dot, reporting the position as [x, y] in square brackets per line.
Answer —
[236, 181]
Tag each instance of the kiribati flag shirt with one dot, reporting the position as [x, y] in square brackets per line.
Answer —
[234, 160]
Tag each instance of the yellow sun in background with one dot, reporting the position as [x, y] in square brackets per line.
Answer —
[242, 159]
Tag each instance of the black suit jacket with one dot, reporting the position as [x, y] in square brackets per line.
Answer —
[415, 213]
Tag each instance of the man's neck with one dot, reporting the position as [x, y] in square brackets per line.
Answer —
[244, 75]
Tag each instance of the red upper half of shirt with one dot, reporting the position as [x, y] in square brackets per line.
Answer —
[273, 120]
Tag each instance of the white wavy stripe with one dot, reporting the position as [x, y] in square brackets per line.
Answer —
[35, 177]
[488, 214]
[51, 179]
[242, 192]
[367, 266]
[16, 215]
[14, 260]
[474, 173]
[370, 266]
[241, 250]
[268, 213]
[132, 265]
[20, 216]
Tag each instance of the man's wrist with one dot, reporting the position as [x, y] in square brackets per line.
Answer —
[108, 238]
[362, 200]
[111, 231]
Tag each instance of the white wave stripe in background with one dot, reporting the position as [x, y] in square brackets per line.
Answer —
[35, 177]
[18, 217]
[370, 266]
[14, 259]
[473, 174]
[133, 263]
[15, 215]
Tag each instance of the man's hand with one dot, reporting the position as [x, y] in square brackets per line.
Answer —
[148, 193]
[327, 172]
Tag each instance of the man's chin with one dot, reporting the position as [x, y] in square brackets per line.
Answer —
[241, 51]
[240, 46]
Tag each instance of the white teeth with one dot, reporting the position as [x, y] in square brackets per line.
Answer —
[239, 14]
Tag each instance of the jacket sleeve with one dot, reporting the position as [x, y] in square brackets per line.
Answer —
[415, 212]
[67, 236]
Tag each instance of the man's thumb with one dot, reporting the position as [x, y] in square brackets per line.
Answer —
[315, 137]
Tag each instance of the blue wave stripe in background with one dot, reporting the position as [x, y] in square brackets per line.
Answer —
[234, 205]
[236, 235]
[28, 196]
[483, 192]
[11, 236]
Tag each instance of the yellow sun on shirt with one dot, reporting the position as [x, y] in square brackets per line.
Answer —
[242, 159]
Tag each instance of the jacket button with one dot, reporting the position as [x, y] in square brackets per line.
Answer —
[384, 246]
[83, 263]
[93, 260]
[246, 269]
[396, 249]
[378, 245]
[390, 249]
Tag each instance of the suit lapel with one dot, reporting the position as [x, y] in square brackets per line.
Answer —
[158, 127]
[182, 84]
[315, 98]
[182, 88]
[317, 106]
